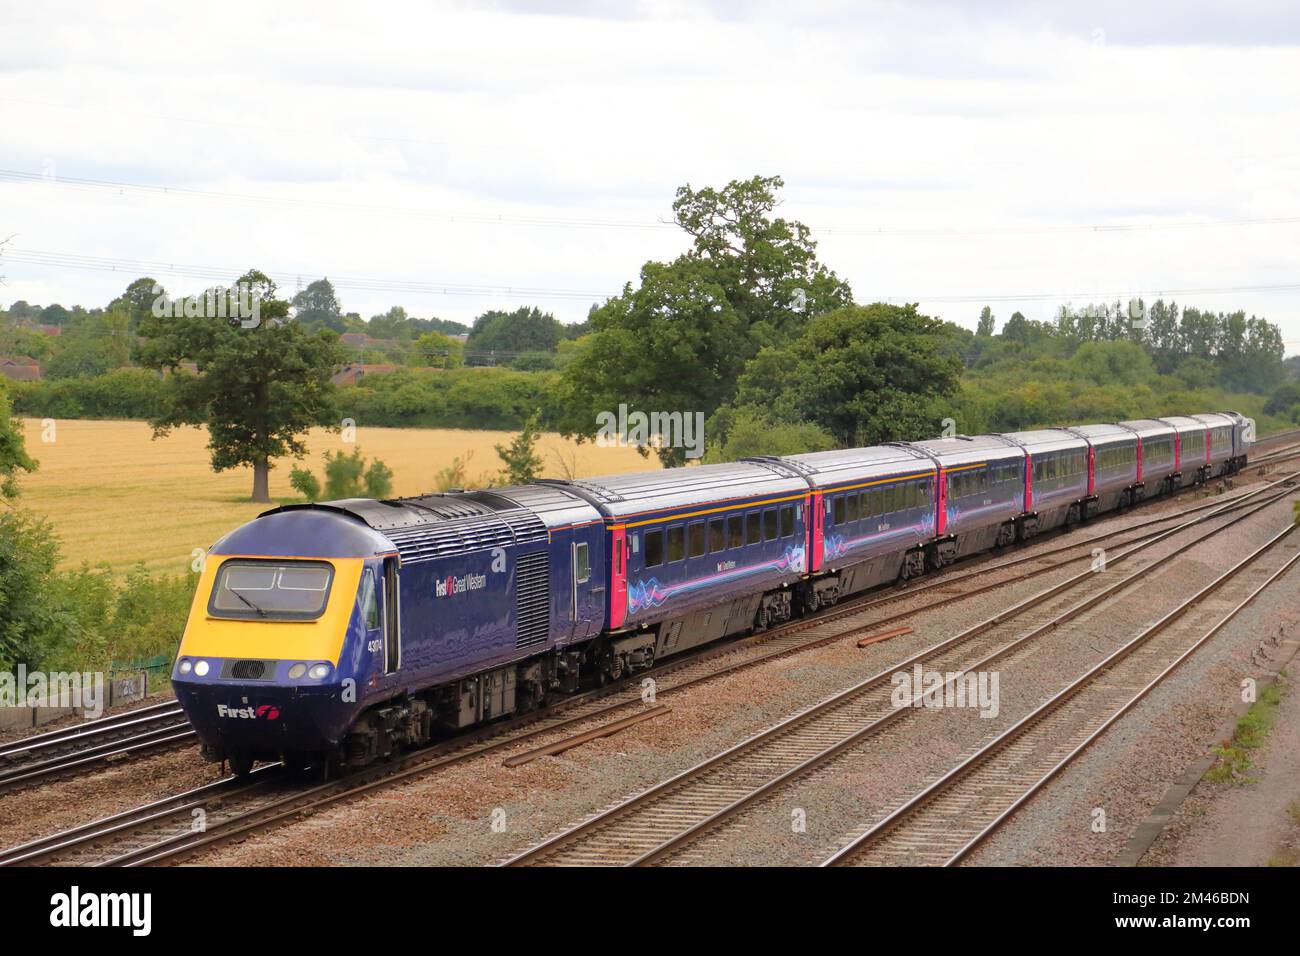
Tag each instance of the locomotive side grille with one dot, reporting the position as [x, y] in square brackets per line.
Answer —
[532, 599]
[248, 670]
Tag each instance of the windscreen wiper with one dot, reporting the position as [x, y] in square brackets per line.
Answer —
[260, 611]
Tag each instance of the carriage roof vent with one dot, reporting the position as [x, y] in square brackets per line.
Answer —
[583, 489]
[782, 466]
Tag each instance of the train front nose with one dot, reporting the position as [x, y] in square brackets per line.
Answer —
[266, 718]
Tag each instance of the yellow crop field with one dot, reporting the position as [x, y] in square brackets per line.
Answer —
[115, 496]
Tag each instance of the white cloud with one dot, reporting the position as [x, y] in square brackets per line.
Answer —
[1006, 123]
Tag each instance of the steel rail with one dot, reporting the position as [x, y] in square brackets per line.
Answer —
[670, 786]
[981, 757]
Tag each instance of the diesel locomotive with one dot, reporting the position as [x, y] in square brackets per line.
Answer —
[334, 634]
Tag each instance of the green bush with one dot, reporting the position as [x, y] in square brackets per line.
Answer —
[121, 393]
[347, 475]
[305, 483]
[489, 398]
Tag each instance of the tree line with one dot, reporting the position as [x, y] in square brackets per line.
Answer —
[747, 327]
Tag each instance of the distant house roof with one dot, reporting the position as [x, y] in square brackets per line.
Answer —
[352, 373]
[51, 329]
[20, 368]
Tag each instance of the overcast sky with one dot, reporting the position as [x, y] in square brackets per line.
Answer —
[462, 156]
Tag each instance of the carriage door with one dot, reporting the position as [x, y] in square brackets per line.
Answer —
[816, 531]
[392, 618]
[580, 552]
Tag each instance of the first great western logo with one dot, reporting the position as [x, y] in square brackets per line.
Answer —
[450, 586]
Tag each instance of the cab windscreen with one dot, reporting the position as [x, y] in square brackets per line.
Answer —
[277, 590]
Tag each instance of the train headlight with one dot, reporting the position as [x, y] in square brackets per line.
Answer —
[186, 666]
[296, 671]
[201, 668]
[319, 671]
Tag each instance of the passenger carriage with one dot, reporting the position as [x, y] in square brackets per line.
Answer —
[1056, 491]
[874, 512]
[707, 551]
[1157, 457]
[981, 495]
[1224, 457]
[1191, 447]
[1113, 466]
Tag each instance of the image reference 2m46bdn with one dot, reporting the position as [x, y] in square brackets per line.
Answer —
[333, 634]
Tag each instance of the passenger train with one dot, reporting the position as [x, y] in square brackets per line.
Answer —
[337, 633]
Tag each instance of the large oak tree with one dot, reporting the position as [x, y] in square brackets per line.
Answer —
[259, 387]
[679, 340]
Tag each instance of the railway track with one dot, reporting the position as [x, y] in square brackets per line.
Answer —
[665, 821]
[39, 757]
[944, 822]
[170, 835]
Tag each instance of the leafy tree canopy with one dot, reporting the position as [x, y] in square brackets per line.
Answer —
[526, 329]
[13, 452]
[864, 374]
[735, 433]
[680, 340]
[522, 463]
[318, 305]
[258, 389]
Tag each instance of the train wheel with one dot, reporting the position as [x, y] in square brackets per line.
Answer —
[241, 763]
[533, 697]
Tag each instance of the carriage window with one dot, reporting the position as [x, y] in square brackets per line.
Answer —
[769, 524]
[787, 521]
[676, 543]
[853, 510]
[839, 510]
[717, 535]
[735, 531]
[581, 564]
[753, 529]
[654, 549]
[697, 539]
